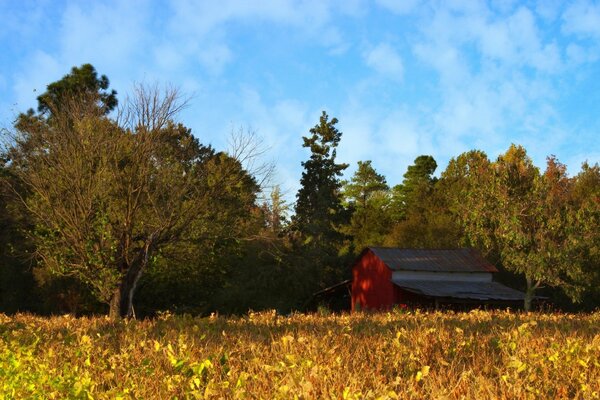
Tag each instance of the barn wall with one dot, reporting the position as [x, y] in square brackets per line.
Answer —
[403, 298]
[372, 286]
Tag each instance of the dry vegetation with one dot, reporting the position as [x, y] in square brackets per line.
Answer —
[474, 355]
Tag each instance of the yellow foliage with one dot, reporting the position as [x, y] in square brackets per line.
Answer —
[410, 355]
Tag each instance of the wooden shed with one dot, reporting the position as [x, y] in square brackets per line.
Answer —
[384, 277]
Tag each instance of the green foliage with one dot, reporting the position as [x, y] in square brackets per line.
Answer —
[105, 195]
[81, 82]
[417, 185]
[17, 286]
[583, 235]
[276, 210]
[395, 355]
[319, 208]
[420, 209]
[508, 208]
[366, 195]
[319, 212]
[94, 207]
[432, 225]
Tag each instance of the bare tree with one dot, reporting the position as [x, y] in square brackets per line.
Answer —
[248, 149]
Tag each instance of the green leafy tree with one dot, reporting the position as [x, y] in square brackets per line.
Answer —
[509, 208]
[80, 82]
[319, 212]
[107, 195]
[433, 225]
[466, 185]
[583, 240]
[421, 211]
[417, 184]
[319, 208]
[367, 196]
[17, 286]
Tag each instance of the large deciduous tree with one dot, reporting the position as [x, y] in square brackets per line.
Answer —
[466, 185]
[583, 240]
[509, 208]
[107, 194]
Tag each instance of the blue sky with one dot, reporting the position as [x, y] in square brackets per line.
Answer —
[404, 78]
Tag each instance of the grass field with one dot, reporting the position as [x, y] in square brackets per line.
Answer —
[476, 355]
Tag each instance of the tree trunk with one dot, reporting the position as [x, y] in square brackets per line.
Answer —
[115, 305]
[530, 293]
[121, 305]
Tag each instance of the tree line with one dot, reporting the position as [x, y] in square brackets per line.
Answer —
[115, 207]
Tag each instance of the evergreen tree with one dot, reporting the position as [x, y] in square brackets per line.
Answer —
[319, 207]
[366, 195]
[81, 82]
[319, 211]
[417, 184]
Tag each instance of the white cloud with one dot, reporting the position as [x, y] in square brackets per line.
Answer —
[582, 18]
[485, 73]
[167, 57]
[385, 60]
[215, 57]
[400, 135]
[109, 34]
[200, 19]
[30, 82]
[280, 124]
[358, 139]
[496, 79]
[548, 10]
[399, 6]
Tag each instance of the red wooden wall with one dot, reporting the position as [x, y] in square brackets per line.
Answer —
[372, 287]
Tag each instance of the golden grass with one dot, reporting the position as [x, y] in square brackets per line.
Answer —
[476, 355]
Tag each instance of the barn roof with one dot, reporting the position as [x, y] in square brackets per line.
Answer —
[461, 290]
[434, 260]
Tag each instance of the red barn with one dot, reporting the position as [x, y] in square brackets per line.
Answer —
[384, 277]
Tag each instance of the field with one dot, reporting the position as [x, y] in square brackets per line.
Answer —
[476, 355]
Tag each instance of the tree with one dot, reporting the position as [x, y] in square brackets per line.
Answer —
[318, 207]
[417, 184]
[319, 212]
[17, 286]
[432, 225]
[106, 195]
[276, 211]
[509, 208]
[367, 196]
[420, 210]
[81, 82]
[466, 185]
[583, 235]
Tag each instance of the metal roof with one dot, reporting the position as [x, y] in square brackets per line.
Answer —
[461, 290]
[436, 260]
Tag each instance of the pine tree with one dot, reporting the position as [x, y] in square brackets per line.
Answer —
[319, 206]
[319, 211]
[367, 195]
[417, 184]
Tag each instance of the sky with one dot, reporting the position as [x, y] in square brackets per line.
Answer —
[403, 77]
